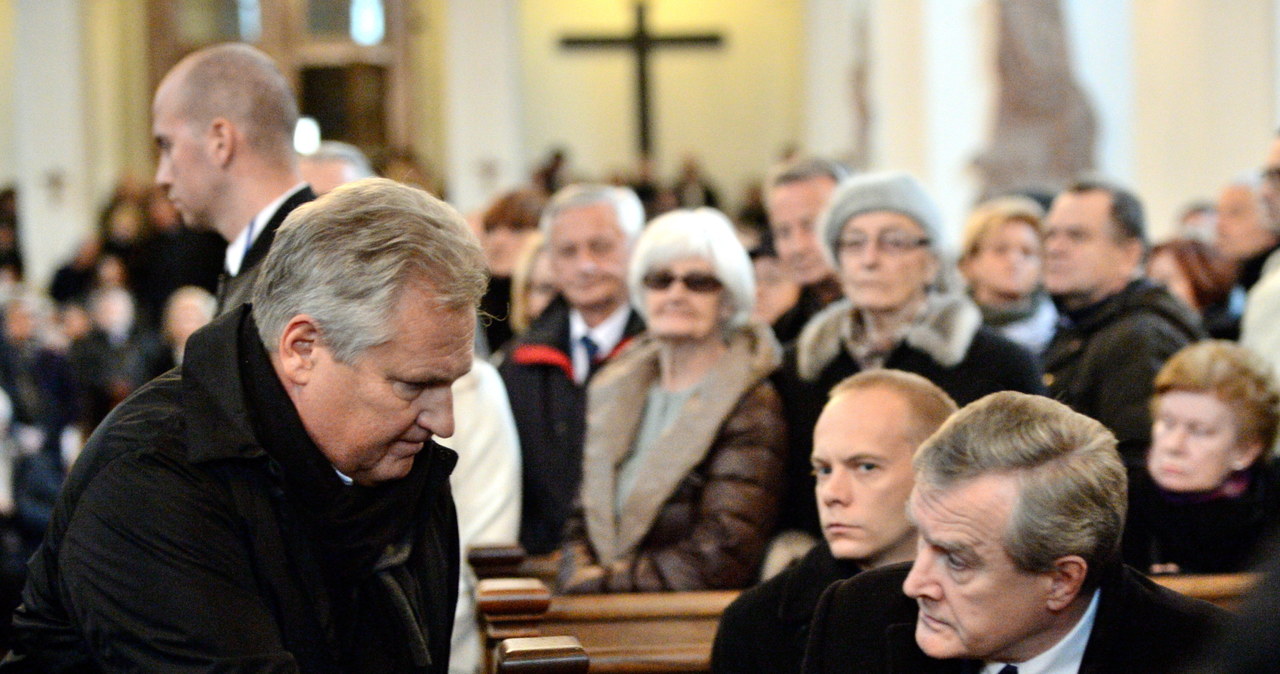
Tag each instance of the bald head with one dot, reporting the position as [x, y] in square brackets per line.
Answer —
[241, 84]
[223, 123]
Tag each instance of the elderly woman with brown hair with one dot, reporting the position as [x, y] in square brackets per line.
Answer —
[683, 461]
[1208, 492]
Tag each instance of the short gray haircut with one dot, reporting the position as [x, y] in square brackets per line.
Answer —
[345, 259]
[805, 168]
[1072, 484]
[624, 202]
[241, 83]
[698, 233]
[336, 150]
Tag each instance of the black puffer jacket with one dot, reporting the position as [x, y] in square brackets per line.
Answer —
[1103, 360]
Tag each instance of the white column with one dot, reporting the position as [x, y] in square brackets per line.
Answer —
[1100, 38]
[960, 57]
[51, 149]
[932, 64]
[830, 54]
[484, 144]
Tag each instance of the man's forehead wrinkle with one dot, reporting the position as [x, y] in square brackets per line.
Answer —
[951, 527]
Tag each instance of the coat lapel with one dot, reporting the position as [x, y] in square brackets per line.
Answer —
[616, 402]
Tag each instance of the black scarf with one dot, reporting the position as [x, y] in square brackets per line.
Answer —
[351, 526]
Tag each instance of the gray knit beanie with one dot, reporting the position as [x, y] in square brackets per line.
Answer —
[895, 191]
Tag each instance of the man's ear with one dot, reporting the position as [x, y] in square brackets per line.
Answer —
[1065, 581]
[296, 349]
[221, 140]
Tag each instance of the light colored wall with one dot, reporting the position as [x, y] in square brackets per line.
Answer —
[8, 171]
[118, 94]
[735, 106]
[1204, 92]
[427, 41]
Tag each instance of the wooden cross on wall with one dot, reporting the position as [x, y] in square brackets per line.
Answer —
[641, 42]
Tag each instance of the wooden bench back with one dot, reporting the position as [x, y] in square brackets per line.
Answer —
[673, 631]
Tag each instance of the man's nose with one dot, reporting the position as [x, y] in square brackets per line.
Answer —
[918, 582]
[436, 414]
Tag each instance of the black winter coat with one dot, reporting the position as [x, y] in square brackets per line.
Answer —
[1103, 360]
[990, 363]
[867, 625]
[550, 410]
[174, 548]
[766, 628]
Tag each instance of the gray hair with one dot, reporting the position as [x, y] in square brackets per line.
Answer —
[1072, 484]
[241, 83]
[805, 168]
[345, 258]
[700, 233]
[626, 206]
[336, 150]
[199, 297]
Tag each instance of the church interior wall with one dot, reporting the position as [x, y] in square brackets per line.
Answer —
[8, 166]
[736, 106]
[1185, 89]
[1204, 85]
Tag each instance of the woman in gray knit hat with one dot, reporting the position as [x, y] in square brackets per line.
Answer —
[900, 310]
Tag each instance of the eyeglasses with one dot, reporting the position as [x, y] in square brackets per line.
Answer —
[696, 282]
[1271, 174]
[891, 242]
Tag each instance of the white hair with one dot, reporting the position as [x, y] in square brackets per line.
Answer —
[698, 233]
[626, 206]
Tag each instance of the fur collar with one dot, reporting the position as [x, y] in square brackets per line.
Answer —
[616, 401]
[944, 333]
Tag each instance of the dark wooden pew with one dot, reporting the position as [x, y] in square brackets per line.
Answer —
[673, 631]
[541, 655]
[1223, 589]
[633, 632]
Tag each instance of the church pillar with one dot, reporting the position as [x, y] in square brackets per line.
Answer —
[51, 143]
[1100, 37]
[831, 57]
[484, 145]
[931, 92]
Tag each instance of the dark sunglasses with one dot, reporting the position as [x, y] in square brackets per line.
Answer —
[695, 282]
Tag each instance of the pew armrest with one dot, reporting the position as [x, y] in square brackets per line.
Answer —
[541, 655]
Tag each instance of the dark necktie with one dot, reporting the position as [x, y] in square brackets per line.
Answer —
[593, 354]
[1008, 669]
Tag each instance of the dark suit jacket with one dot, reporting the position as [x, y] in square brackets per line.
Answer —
[550, 412]
[765, 629]
[236, 290]
[866, 624]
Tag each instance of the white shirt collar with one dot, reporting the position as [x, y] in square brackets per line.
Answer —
[244, 240]
[1066, 655]
[606, 335]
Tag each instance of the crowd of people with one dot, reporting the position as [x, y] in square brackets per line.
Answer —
[973, 454]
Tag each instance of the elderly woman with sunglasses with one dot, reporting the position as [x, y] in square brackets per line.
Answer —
[900, 310]
[685, 442]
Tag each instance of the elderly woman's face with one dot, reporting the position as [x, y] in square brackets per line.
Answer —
[1195, 443]
[684, 300]
[885, 261]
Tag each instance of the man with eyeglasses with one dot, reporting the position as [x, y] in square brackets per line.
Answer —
[590, 230]
[1116, 327]
[1260, 325]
